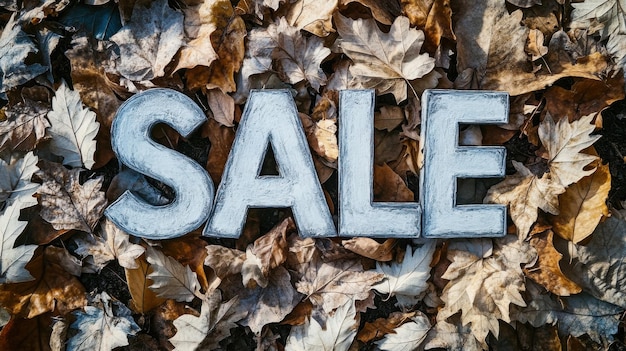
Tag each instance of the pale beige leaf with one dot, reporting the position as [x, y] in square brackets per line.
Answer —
[564, 142]
[143, 298]
[583, 205]
[451, 336]
[13, 259]
[24, 127]
[73, 129]
[199, 24]
[65, 203]
[407, 337]
[206, 331]
[371, 248]
[313, 16]
[224, 261]
[535, 45]
[222, 106]
[384, 61]
[171, 280]
[340, 330]
[524, 193]
[323, 140]
[483, 288]
[149, 41]
[409, 276]
[15, 179]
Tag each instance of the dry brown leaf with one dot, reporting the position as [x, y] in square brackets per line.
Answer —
[313, 16]
[388, 118]
[384, 61]
[547, 271]
[434, 17]
[53, 289]
[388, 186]
[371, 248]
[583, 205]
[66, 204]
[381, 326]
[535, 45]
[323, 140]
[224, 261]
[198, 24]
[143, 298]
[221, 139]
[189, 250]
[24, 127]
[382, 11]
[32, 334]
[271, 249]
[222, 106]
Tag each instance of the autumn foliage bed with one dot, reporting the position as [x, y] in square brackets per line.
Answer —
[70, 279]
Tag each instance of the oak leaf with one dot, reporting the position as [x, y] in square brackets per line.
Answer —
[384, 61]
[66, 204]
[483, 283]
[171, 280]
[583, 205]
[102, 327]
[409, 276]
[340, 330]
[212, 326]
[13, 259]
[15, 180]
[149, 41]
[15, 47]
[409, 336]
[73, 129]
[24, 127]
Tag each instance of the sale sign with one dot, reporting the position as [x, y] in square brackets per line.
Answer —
[270, 118]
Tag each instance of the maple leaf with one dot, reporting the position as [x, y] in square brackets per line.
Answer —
[149, 41]
[340, 330]
[24, 127]
[13, 260]
[15, 47]
[112, 243]
[384, 61]
[52, 288]
[313, 16]
[73, 129]
[331, 283]
[564, 141]
[409, 336]
[525, 193]
[199, 24]
[66, 204]
[408, 277]
[171, 280]
[15, 175]
[484, 283]
[583, 205]
[213, 325]
[102, 327]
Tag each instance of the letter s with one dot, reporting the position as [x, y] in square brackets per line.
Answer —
[130, 138]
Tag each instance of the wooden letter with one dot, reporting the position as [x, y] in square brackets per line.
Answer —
[270, 117]
[130, 137]
[445, 161]
[358, 215]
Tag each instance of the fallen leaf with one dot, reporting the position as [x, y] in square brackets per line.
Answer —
[451, 336]
[13, 259]
[171, 280]
[53, 289]
[15, 180]
[409, 276]
[66, 204]
[221, 139]
[388, 118]
[104, 326]
[24, 127]
[381, 326]
[583, 205]
[15, 47]
[224, 261]
[149, 41]
[323, 140]
[31, 334]
[271, 249]
[111, 243]
[189, 250]
[313, 16]
[73, 129]
[408, 336]
[434, 17]
[212, 326]
[222, 106]
[388, 186]
[340, 330]
[482, 287]
[535, 45]
[198, 24]
[371, 248]
[384, 61]
[143, 298]
[547, 271]
[382, 11]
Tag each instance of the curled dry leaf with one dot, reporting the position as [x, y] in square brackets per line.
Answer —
[408, 336]
[224, 261]
[384, 61]
[434, 17]
[65, 203]
[24, 127]
[371, 248]
[313, 16]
